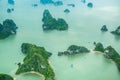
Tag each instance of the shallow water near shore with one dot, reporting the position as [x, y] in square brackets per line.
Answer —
[84, 29]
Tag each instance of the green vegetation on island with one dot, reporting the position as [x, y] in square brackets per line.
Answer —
[104, 28]
[7, 28]
[50, 23]
[56, 3]
[36, 60]
[5, 77]
[90, 5]
[109, 53]
[99, 47]
[46, 1]
[66, 11]
[11, 2]
[72, 5]
[74, 49]
[117, 31]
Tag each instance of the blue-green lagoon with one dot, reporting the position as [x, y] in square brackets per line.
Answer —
[84, 28]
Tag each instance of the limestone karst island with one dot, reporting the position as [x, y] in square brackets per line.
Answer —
[59, 39]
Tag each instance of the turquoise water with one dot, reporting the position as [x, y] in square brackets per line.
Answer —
[84, 29]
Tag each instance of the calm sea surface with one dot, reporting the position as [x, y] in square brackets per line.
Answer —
[84, 29]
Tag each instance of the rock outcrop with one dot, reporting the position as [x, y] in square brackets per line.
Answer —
[35, 5]
[46, 1]
[57, 3]
[83, 1]
[8, 28]
[104, 28]
[50, 23]
[117, 31]
[5, 77]
[11, 2]
[67, 11]
[99, 47]
[36, 60]
[90, 5]
[10, 10]
[72, 5]
[74, 49]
